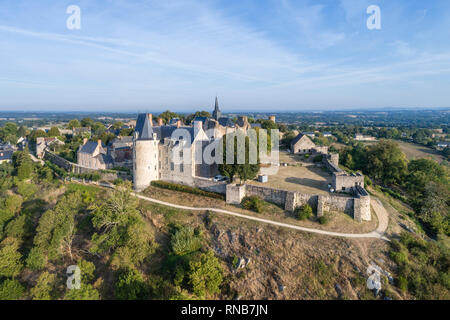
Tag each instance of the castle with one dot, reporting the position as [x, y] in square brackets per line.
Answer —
[174, 152]
[156, 145]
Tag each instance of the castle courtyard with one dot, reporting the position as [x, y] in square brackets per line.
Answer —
[304, 177]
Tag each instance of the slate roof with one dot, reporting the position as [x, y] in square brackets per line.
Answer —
[202, 119]
[297, 138]
[104, 158]
[144, 127]
[226, 122]
[89, 147]
[6, 155]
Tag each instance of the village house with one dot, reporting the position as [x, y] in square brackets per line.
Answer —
[43, 143]
[93, 155]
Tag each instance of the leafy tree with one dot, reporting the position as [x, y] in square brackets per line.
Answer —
[421, 172]
[36, 134]
[26, 189]
[53, 132]
[117, 125]
[57, 227]
[36, 259]
[245, 171]
[86, 292]
[87, 270]
[130, 285]
[45, 287]
[168, 115]
[13, 203]
[435, 208]
[10, 264]
[205, 274]
[121, 228]
[74, 123]
[386, 162]
[87, 122]
[23, 164]
[11, 290]
[192, 116]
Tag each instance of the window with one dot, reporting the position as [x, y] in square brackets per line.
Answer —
[343, 188]
[172, 166]
[181, 168]
[181, 154]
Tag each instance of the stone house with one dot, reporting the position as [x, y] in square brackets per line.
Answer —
[302, 144]
[43, 143]
[93, 155]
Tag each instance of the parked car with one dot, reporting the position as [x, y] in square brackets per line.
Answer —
[219, 178]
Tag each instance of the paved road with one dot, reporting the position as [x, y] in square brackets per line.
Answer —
[380, 211]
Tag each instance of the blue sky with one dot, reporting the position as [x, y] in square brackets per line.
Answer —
[259, 55]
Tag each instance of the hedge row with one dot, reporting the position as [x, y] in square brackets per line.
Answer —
[187, 189]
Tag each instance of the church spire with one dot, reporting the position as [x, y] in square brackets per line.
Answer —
[216, 113]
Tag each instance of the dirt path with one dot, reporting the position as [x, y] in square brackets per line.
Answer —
[380, 211]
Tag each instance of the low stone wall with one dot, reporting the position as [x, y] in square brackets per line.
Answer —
[60, 162]
[267, 194]
[357, 206]
[209, 185]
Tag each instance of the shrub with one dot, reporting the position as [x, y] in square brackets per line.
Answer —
[205, 274]
[131, 286]
[303, 212]
[185, 241]
[324, 220]
[318, 158]
[11, 290]
[187, 189]
[253, 203]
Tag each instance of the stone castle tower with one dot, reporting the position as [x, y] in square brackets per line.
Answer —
[145, 153]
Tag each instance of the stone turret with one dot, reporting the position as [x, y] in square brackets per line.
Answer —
[145, 154]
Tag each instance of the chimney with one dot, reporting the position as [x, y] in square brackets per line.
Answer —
[178, 123]
[160, 122]
[99, 142]
[150, 118]
[85, 140]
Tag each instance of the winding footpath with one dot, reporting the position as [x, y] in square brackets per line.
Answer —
[383, 219]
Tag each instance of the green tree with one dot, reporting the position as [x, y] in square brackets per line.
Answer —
[130, 285]
[56, 229]
[13, 203]
[245, 171]
[53, 132]
[10, 264]
[23, 164]
[168, 115]
[205, 274]
[11, 290]
[36, 259]
[74, 123]
[386, 162]
[86, 292]
[45, 287]
[120, 228]
[87, 122]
